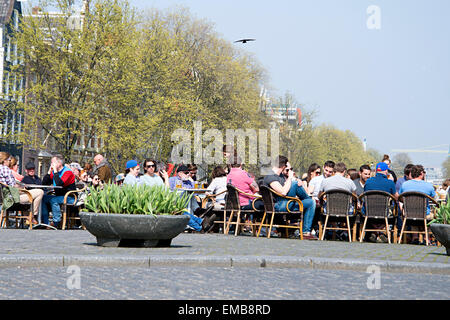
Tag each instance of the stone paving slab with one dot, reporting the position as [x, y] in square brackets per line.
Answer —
[63, 248]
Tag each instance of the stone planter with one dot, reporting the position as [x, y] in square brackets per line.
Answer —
[442, 234]
[133, 230]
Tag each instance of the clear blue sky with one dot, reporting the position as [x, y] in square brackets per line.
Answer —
[391, 86]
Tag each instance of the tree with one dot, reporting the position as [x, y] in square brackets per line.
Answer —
[399, 161]
[76, 76]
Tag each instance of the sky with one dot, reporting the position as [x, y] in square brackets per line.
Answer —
[389, 85]
[383, 74]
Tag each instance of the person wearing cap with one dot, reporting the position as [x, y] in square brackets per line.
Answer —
[76, 169]
[181, 180]
[31, 177]
[199, 217]
[132, 173]
[119, 179]
[382, 183]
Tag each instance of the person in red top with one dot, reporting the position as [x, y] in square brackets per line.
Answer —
[62, 176]
[242, 181]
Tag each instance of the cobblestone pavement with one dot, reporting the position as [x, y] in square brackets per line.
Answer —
[215, 283]
[82, 243]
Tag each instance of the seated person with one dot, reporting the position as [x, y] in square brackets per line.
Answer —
[338, 181]
[7, 177]
[218, 185]
[76, 169]
[31, 177]
[313, 171]
[382, 183]
[182, 180]
[417, 183]
[96, 182]
[58, 175]
[151, 176]
[288, 187]
[14, 166]
[242, 181]
[132, 173]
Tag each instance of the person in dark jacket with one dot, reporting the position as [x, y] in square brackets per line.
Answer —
[61, 176]
[31, 177]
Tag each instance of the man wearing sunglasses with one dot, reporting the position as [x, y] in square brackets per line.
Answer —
[152, 176]
[181, 180]
[292, 188]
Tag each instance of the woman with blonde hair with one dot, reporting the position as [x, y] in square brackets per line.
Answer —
[7, 178]
[14, 166]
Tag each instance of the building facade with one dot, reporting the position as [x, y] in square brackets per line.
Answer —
[11, 120]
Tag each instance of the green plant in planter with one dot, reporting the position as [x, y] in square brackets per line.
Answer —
[134, 199]
[442, 214]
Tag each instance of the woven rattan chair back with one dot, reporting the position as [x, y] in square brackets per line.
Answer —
[267, 197]
[414, 205]
[376, 203]
[232, 199]
[338, 202]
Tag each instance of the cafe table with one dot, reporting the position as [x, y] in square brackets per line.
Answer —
[41, 225]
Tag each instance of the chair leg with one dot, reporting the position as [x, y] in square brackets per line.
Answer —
[270, 226]
[260, 226]
[224, 221]
[426, 232]
[1, 219]
[388, 233]
[229, 222]
[354, 231]
[320, 229]
[349, 230]
[324, 228]
[363, 232]
[238, 220]
[401, 232]
[395, 232]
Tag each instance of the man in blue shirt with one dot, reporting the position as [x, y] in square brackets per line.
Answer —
[382, 183]
[418, 184]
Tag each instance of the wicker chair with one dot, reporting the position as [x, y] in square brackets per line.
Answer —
[415, 208]
[70, 211]
[289, 215]
[233, 207]
[17, 210]
[338, 207]
[212, 198]
[377, 205]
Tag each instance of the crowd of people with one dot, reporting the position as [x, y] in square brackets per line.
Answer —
[282, 179]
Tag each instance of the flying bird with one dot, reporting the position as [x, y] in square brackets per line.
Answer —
[245, 40]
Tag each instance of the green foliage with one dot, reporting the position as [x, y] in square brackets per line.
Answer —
[134, 199]
[308, 144]
[442, 214]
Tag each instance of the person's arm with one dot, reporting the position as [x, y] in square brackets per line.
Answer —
[276, 186]
[165, 178]
[254, 186]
